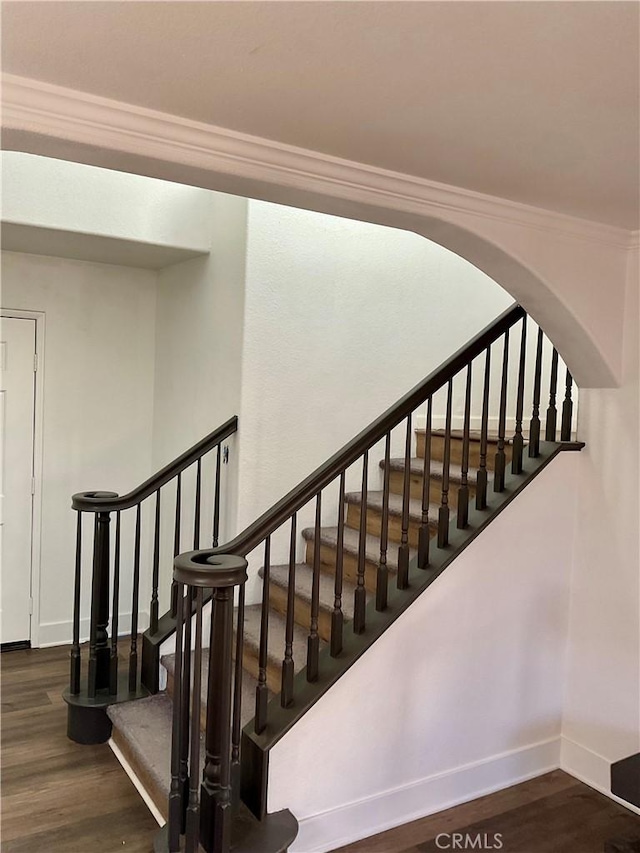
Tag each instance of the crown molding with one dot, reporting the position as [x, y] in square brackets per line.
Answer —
[42, 108]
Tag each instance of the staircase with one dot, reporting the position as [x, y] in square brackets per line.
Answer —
[221, 713]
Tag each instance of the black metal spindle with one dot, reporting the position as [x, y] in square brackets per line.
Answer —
[444, 512]
[534, 424]
[192, 823]
[567, 410]
[216, 498]
[133, 651]
[115, 610]
[176, 541]
[153, 619]
[286, 693]
[175, 792]
[360, 594]
[76, 659]
[500, 461]
[518, 441]
[402, 579]
[481, 477]
[196, 516]
[337, 616]
[99, 651]
[424, 536]
[462, 517]
[262, 691]
[237, 697]
[183, 698]
[313, 640]
[552, 412]
[382, 575]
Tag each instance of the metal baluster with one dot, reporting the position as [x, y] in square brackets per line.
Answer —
[444, 512]
[175, 793]
[360, 594]
[133, 653]
[382, 576]
[518, 441]
[534, 424]
[76, 659]
[552, 412]
[402, 579]
[567, 410]
[337, 617]
[481, 479]
[216, 499]
[286, 694]
[192, 824]
[313, 640]
[462, 518]
[424, 536]
[156, 569]
[183, 698]
[176, 542]
[500, 462]
[237, 698]
[113, 671]
[262, 691]
[196, 518]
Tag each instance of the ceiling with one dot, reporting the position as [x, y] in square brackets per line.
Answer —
[537, 102]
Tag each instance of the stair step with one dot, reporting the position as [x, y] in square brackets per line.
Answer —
[275, 647]
[328, 548]
[279, 585]
[437, 446]
[249, 685]
[374, 515]
[416, 468]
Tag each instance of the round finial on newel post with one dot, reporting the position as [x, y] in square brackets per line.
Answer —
[209, 570]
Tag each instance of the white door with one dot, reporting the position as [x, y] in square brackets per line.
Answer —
[17, 409]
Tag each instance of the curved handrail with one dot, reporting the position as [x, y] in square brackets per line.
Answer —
[101, 501]
[269, 521]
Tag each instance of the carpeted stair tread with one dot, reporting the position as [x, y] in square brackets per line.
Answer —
[145, 726]
[275, 648]
[279, 576]
[374, 501]
[474, 435]
[329, 536]
[249, 684]
[416, 466]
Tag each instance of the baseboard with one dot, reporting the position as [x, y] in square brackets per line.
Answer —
[137, 784]
[61, 633]
[355, 821]
[591, 768]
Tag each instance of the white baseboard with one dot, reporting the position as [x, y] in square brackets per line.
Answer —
[589, 767]
[354, 821]
[61, 633]
[137, 784]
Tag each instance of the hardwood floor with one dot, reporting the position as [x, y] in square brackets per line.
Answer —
[60, 797]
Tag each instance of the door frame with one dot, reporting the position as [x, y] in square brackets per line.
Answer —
[38, 434]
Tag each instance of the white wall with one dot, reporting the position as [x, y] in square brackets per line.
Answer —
[198, 343]
[98, 404]
[602, 704]
[461, 696]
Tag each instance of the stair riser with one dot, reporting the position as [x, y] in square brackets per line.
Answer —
[437, 450]
[302, 611]
[374, 524]
[396, 484]
[350, 566]
[274, 670]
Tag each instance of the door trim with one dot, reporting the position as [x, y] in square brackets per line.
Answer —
[38, 433]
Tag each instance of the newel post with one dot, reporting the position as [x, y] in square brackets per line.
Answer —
[222, 574]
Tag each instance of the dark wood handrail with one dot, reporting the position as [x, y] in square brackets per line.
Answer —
[102, 502]
[269, 521]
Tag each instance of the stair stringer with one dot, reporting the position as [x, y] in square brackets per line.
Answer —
[412, 690]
